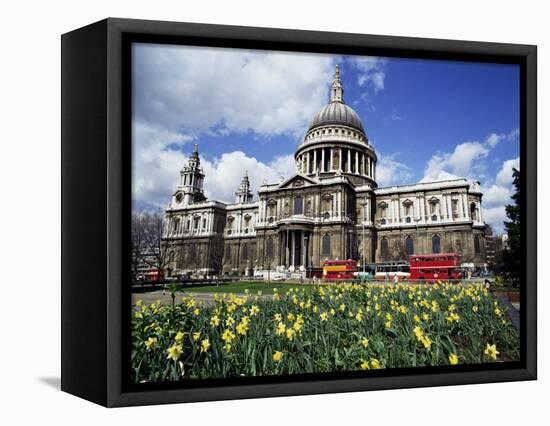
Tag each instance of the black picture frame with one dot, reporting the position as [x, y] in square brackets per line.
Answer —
[96, 192]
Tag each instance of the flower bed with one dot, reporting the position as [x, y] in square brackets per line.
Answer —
[332, 328]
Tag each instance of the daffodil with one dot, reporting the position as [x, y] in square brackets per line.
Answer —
[374, 364]
[281, 328]
[290, 334]
[151, 342]
[365, 342]
[323, 316]
[205, 345]
[179, 336]
[453, 359]
[215, 321]
[491, 351]
[365, 365]
[254, 310]
[228, 336]
[174, 352]
[242, 328]
[196, 336]
[277, 356]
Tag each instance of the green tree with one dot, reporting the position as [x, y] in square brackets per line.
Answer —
[512, 254]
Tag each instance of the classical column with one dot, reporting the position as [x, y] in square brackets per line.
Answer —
[304, 249]
[314, 161]
[465, 206]
[449, 207]
[322, 159]
[356, 162]
[307, 163]
[349, 161]
[293, 255]
[331, 167]
[460, 208]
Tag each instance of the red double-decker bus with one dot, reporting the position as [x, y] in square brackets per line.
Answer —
[339, 269]
[433, 267]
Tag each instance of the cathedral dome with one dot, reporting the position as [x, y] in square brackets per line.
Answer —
[337, 113]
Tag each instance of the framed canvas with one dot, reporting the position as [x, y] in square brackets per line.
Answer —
[254, 212]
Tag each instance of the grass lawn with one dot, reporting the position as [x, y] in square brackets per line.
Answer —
[252, 286]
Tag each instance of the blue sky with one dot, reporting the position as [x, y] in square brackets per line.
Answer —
[427, 120]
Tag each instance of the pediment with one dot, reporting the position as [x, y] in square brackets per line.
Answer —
[297, 181]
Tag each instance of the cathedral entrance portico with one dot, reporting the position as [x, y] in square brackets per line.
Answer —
[295, 247]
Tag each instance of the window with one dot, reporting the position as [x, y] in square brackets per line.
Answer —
[204, 222]
[477, 244]
[192, 254]
[196, 223]
[473, 211]
[175, 225]
[454, 207]
[408, 220]
[228, 251]
[244, 252]
[299, 205]
[436, 244]
[409, 245]
[384, 249]
[326, 245]
[269, 247]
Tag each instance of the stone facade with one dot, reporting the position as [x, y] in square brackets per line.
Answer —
[331, 208]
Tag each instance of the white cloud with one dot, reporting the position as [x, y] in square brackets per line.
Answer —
[495, 216]
[156, 177]
[391, 172]
[222, 177]
[494, 139]
[198, 89]
[372, 72]
[496, 195]
[463, 162]
[504, 176]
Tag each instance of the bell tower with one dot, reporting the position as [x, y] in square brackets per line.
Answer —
[192, 179]
[244, 194]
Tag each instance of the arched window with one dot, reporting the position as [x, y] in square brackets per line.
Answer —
[436, 244]
[299, 205]
[326, 245]
[171, 256]
[409, 246]
[384, 249]
[477, 244]
[269, 247]
[244, 252]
